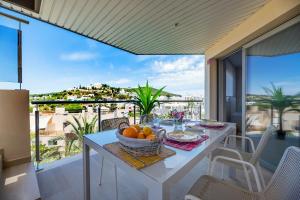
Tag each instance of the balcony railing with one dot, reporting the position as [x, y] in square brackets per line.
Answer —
[260, 114]
[193, 109]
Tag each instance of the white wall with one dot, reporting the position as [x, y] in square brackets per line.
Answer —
[14, 126]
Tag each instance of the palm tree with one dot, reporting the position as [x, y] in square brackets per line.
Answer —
[81, 129]
[280, 102]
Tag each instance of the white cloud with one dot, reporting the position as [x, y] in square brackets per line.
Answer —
[92, 43]
[180, 64]
[78, 56]
[141, 58]
[119, 81]
[184, 75]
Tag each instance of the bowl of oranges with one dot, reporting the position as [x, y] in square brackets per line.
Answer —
[140, 140]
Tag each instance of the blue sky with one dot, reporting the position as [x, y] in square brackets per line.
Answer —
[9, 53]
[55, 59]
[283, 71]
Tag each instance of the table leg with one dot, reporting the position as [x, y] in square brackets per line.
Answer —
[158, 192]
[86, 171]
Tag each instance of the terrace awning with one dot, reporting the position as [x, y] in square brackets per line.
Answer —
[144, 26]
[282, 43]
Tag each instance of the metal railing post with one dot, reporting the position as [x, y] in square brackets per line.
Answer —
[299, 124]
[37, 137]
[271, 114]
[99, 118]
[200, 111]
[134, 117]
[140, 112]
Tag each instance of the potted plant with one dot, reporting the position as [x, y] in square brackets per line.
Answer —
[146, 100]
[280, 102]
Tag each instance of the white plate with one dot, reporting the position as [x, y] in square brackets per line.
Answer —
[193, 127]
[167, 122]
[184, 136]
[212, 124]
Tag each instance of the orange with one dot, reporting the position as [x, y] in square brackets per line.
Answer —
[141, 135]
[137, 127]
[130, 132]
[151, 137]
[147, 131]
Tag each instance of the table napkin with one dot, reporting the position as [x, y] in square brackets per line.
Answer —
[187, 146]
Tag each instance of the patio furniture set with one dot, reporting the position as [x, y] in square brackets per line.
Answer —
[161, 173]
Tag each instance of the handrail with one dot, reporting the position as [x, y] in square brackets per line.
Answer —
[108, 101]
[99, 102]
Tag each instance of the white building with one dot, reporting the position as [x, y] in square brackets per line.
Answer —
[71, 97]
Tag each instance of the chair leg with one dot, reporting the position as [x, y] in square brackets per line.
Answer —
[116, 181]
[248, 179]
[222, 171]
[259, 170]
[209, 164]
[101, 171]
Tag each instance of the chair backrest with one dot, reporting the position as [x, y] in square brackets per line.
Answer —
[285, 183]
[262, 144]
[108, 124]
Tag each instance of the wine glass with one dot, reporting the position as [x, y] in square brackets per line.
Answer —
[196, 113]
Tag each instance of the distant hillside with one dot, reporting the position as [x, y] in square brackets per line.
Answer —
[92, 92]
[154, 90]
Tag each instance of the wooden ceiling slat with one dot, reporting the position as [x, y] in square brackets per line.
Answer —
[200, 23]
[67, 12]
[103, 33]
[102, 16]
[125, 21]
[159, 17]
[194, 35]
[92, 8]
[144, 25]
[75, 13]
[84, 13]
[118, 12]
[92, 20]
[147, 27]
[57, 11]
[136, 19]
[154, 25]
[46, 9]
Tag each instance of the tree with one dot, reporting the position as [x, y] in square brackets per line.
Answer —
[81, 129]
[48, 152]
[73, 108]
[280, 102]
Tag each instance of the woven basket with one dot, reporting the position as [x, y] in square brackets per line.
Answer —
[140, 147]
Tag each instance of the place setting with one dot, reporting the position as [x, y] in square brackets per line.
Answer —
[205, 124]
[181, 137]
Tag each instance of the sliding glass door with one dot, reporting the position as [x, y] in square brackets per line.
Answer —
[272, 91]
[259, 86]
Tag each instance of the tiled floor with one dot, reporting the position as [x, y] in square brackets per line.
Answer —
[63, 181]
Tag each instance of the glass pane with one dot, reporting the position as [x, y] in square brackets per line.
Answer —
[8, 54]
[273, 93]
[230, 92]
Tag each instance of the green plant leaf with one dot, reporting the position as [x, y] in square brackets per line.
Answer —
[145, 99]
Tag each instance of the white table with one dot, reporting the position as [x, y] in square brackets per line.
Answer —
[161, 176]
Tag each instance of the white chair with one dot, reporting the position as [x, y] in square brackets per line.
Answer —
[252, 157]
[109, 124]
[284, 184]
